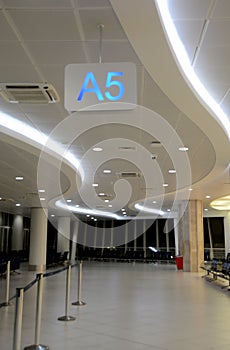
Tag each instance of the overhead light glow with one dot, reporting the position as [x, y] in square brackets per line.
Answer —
[17, 204]
[183, 149]
[97, 149]
[19, 178]
[149, 210]
[185, 64]
[106, 171]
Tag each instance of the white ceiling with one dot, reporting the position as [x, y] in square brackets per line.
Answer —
[39, 38]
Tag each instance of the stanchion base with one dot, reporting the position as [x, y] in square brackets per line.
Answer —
[7, 304]
[79, 303]
[66, 318]
[37, 347]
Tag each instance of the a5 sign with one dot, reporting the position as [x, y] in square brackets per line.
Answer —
[100, 86]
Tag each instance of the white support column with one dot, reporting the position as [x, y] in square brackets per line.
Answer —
[38, 239]
[17, 233]
[227, 232]
[176, 237]
[63, 234]
[74, 235]
[191, 236]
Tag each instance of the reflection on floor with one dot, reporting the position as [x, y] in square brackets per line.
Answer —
[129, 307]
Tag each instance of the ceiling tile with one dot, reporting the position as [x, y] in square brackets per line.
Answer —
[6, 32]
[57, 52]
[213, 57]
[15, 73]
[112, 51]
[45, 25]
[216, 33]
[12, 53]
[222, 9]
[22, 4]
[91, 19]
[187, 9]
[189, 32]
[94, 3]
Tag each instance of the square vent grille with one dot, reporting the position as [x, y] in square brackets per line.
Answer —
[29, 93]
[129, 174]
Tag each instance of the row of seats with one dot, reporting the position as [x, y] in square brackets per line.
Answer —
[122, 255]
[56, 258]
[14, 264]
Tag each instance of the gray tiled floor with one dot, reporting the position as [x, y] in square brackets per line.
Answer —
[129, 307]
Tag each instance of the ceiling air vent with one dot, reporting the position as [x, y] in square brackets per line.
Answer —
[129, 174]
[29, 93]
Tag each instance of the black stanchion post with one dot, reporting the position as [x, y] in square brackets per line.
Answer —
[79, 302]
[18, 319]
[67, 317]
[38, 316]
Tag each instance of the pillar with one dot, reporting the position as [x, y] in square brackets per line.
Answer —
[38, 239]
[17, 233]
[63, 234]
[190, 233]
[74, 234]
[176, 237]
[227, 233]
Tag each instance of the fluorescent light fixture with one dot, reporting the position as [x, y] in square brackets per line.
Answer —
[95, 185]
[154, 202]
[148, 210]
[190, 189]
[77, 205]
[207, 196]
[110, 206]
[68, 200]
[42, 199]
[106, 200]
[106, 171]
[153, 249]
[88, 212]
[97, 149]
[184, 63]
[52, 215]
[172, 171]
[19, 178]
[41, 191]
[183, 149]
[17, 204]
[205, 209]
[26, 133]
[165, 185]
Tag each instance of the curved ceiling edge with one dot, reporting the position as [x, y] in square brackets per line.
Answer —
[157, 58]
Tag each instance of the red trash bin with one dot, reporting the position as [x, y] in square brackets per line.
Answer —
[179, 262]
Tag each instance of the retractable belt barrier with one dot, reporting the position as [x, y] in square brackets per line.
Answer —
[19, 296]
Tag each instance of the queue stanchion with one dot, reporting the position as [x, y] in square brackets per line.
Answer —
[7, 303]
[79, 302]
[38, 316]
[67, 317]
[18, 319]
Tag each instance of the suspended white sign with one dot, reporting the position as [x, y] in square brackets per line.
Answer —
[100, 86]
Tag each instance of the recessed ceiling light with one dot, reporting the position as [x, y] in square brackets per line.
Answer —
[68, 200]
[106, 171]
[110, 205]
[172, 171]
[41, 191]
[77, 205]
[190, 189]
[18, 204]
[87, 215]
[95, 219]
[19, 178]
[122, 209]
[207, 196]
[205, 209]
[168, 209]
[101, 194]
[42, 199]
[95, 185]
[183, 149]
[97, 149]
[165, 185]
[106, 200]
[154, 202]
[52, 215]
